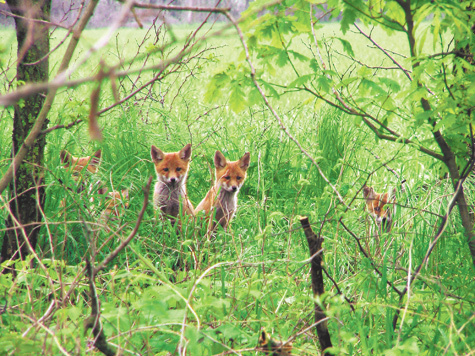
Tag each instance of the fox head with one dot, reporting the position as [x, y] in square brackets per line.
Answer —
[269, 346]
[231, 175]
[77, 165]
[376, 205]
[171, 168]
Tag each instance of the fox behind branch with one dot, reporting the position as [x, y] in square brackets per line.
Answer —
[380, 207]
[222, 197]
[170, 189]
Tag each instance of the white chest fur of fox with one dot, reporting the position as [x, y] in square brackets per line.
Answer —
[167, 198]
[226, 204]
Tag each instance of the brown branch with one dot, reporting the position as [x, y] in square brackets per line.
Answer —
[94, 320]
[124, 243]
[406, 72]
[318, 288]
[43, 22]
[369, 258]
[179, 8]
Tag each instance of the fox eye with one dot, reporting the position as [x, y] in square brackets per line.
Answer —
[377, 208]
[165, 169]
[227, 177]
[178, 169]
[238, 178]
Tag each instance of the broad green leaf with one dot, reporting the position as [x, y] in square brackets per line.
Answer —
[237, 100]
[346, 46]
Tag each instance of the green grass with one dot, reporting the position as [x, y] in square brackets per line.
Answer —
[259, 276]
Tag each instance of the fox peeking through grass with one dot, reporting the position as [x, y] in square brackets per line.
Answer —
[170, 189]
[379, 207]
[221, 199]
[79, 167]
[273, 347]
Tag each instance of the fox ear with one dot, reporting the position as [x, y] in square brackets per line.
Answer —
[156, 154]
[368, 193]
[65, 158]
[219, 160]
[185, 152]
[244, 161]
[385, 198]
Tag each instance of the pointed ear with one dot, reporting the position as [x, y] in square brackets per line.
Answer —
[219, 160]
[65, 158]
[368, 193]
[96, 158]
[385, 198]
[156, 154]
[244, 161]
[185, 152]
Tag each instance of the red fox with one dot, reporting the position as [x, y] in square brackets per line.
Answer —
[172, 169]
[375, 203]
[78, 164]
[272, 347]
[115, 203]
[222, 197]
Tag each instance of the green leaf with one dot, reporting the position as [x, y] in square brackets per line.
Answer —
[237, 100]
[346, 46]
[300, 81]
[323, 83]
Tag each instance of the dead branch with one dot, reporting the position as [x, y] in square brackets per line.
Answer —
[318, 288]
[94, 320]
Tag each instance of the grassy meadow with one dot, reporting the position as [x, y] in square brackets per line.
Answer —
[215, 296]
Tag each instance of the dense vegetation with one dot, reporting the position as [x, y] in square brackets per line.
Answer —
[165, 292]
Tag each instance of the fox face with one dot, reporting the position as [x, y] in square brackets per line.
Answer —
[231, 175]
[376, 205]
[77, 165]
[269, 346]
[171, 168]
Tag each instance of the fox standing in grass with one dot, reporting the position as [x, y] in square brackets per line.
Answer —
[170, 189]
[222, 197]
[377, 205]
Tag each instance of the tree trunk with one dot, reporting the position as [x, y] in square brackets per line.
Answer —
[26, 191]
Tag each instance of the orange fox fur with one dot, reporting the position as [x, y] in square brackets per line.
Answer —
[378, 207]
[170, 189]
[222, 197]
[79, 165]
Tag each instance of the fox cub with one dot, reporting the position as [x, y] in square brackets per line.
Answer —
[377, 207]
[222, 197]
[79, 165]
[170, 189]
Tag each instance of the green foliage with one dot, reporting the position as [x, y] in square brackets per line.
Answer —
[213, 296]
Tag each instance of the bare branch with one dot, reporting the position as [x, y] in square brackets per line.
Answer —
[124, 243]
